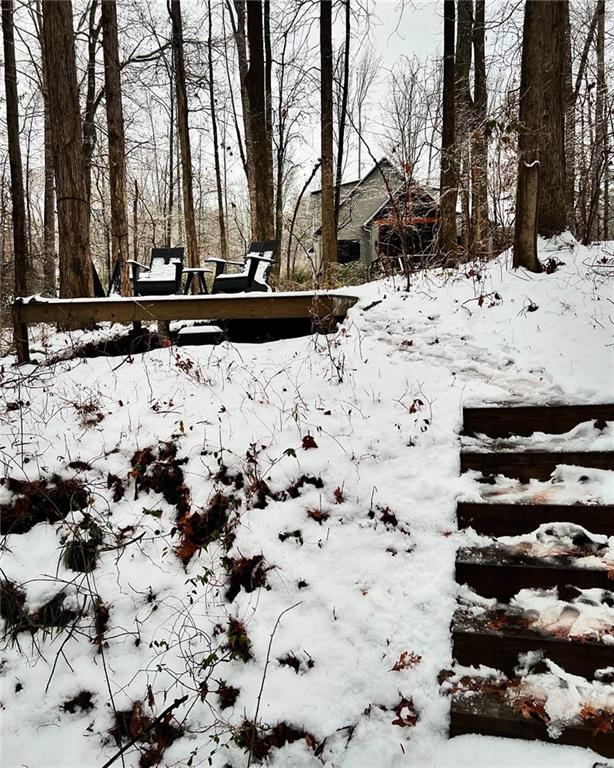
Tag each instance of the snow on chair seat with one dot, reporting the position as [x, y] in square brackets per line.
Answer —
[256, 268]
[163, 275]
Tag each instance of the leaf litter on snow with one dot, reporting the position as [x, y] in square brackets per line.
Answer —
[318, 475]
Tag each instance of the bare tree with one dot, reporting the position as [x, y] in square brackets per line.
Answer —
[598, 156]
[261, 179]
[573, 93]
[364, 74]
[479, 154]
[120, 247]
[216, 148]
[449, 181]
[91, 99]
[464, 114]
[174, 9]
[20, 240]
[76, 278]
[329, 233]
[345, 86]
[552, 213]
[531, 105]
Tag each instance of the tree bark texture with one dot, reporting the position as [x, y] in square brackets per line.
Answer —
[531, 104]
[168, 228]
[479, 152]
[552, 212]
[599, 152]
[184, 134]
[449, 175]
[216, 148]
[91, 102]
[327, 196]
[268, 100]
[464, 113]
[49, 254]
[20, 241]
[570, 133]
[345, 87]
[120, 247]
[76, 278]
[241, 43]
[261, 178]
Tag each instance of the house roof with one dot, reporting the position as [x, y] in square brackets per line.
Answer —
[350, 186]
[432, 192]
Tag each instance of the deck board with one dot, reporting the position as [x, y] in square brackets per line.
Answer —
[323, 308]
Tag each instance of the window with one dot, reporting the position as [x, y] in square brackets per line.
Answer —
[348, 250]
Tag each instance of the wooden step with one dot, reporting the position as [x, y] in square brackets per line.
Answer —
[525, 420]
[486, 714]
[492, 573]
[532, 465]
[516, 519]
[474, 642]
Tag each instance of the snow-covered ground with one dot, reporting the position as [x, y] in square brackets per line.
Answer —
[335, 458]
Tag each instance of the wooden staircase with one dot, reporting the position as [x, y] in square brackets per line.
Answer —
[496, 637]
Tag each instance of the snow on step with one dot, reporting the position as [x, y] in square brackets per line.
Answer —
[533, 465]
[497, 572]
[515, 519]
[525, 420]
[486, 714]
[496, 639]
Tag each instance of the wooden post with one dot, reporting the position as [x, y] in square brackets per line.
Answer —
[20, 335]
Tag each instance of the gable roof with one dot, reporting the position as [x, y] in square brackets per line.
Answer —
[425, 189]
[357, 183]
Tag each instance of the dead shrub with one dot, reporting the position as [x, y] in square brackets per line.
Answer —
[227, 695]
[41, 501]
[260, 741]
[82, 701]
[248, 573]
[200, 529]
[238, 644]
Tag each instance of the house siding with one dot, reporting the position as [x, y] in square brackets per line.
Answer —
[357, 206]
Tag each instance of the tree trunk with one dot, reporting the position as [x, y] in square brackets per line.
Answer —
[20, 243]
[49, 255]
[327, 196]
[268, 100]
[91, 104]
[570, 126]
[233, 106]
[184, 133]
[464, 113]
[261, 179]
[76, 277]
[479, 153]
[530, 117]
[240, 42]
[448, 187]
[216, 148]
[345, 87]
[597, 166]
[552, 214]
[120, 247]
[168, 229]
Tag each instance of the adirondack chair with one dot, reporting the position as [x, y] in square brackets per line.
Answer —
[253, 277]
[163, 275]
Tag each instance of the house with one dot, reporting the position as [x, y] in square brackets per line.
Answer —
[384, 213]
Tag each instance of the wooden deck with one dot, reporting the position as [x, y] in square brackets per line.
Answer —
[322, 308]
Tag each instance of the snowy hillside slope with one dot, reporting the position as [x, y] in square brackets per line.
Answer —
[269, 529]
